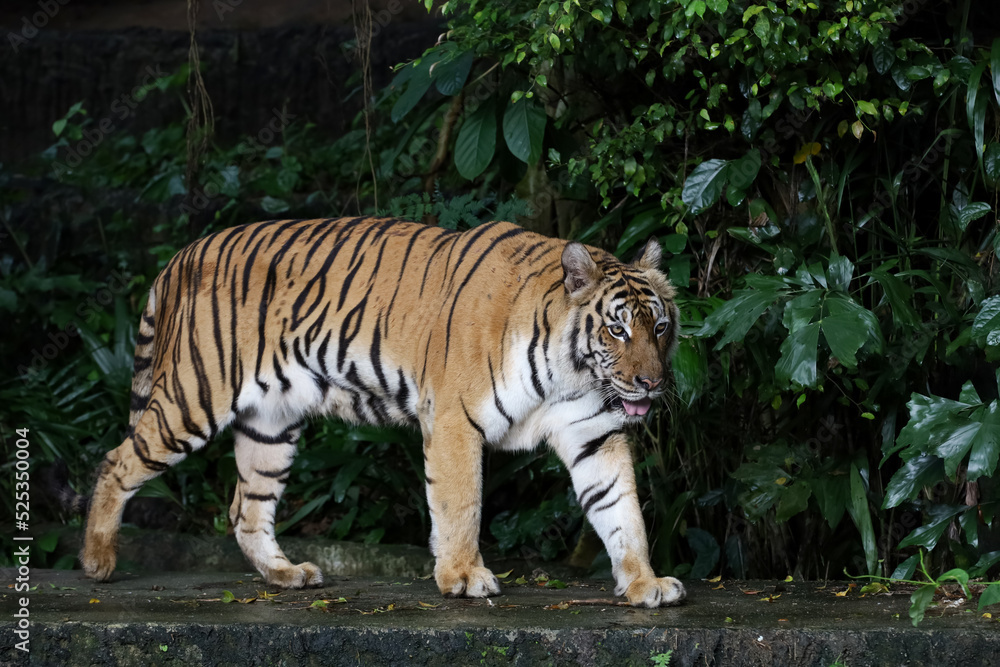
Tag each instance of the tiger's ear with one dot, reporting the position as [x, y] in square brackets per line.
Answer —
[580, 269]
[650, 256]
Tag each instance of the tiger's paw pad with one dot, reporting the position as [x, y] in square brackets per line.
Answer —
[476, 582]
[653, 592]
[303, 575]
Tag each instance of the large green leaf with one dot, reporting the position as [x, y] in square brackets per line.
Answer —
[524, 129]
[920, 600]
[909, 479]
[991, 162]
[639, 229]
[690, 370]
[832, 494]
[798, 356]
[706, 550]
[995, 67]
[990, 596]
[449, 77]
[742, 172]
[846, 328]
[794, 499]
[975, 108]
[972, 211]
[477, 141]
[415, 80]
[986, 326]
[985, 446]
[802, 310]
[927, 536]
[737, 315]
[858, 509]
[704, 185]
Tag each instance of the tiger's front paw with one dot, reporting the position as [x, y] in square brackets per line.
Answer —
[653, 592]
[98, 557]
[303, 575]
[470, 582]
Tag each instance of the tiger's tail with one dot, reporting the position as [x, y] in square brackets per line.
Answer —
[142, 369]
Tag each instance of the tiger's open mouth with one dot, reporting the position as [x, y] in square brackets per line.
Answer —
[636, 408]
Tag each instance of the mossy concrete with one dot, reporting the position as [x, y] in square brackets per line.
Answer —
[183, 619]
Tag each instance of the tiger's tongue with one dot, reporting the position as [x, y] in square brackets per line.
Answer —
[634, 408]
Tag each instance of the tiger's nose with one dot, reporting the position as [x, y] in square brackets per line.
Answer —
[647, 383]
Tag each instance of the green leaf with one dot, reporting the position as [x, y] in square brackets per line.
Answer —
[794, 499]
[640, 229]
[832, 494]
[839, 272]
[524, 129]
[985, 562]
[986, 326]
[798, 356]
[476, 143]
[858, 509]
[302, 513]
[450, 77]
[227, 596]
[737, 315]
[867, 107]
[908, 480]
[704, 185]
[927, 536]
[920, 600]
[972, 211]
[706, 550]
[975, 109]
[995, 67]
[416, 79]
[991, 162]
[59, 126]
[991, 595]
[883, 56]
[905, 569]
[985, 447]
[743, 171]
[274, 205]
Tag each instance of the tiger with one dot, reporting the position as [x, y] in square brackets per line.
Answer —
[494, 337]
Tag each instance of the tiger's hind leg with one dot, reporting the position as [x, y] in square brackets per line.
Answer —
[158, 441]
[264, 456]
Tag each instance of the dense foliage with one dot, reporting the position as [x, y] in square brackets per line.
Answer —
[823, 176]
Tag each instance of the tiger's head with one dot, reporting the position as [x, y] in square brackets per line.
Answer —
[625, 324]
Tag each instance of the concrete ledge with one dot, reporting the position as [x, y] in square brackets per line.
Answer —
[172, 618]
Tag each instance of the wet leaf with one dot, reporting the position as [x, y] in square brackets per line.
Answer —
[94, 601]
[990, 596]
[704, 185]
[227, 597]
[560, 605]
[715, 580]
[920, 600]
[720, 587]
[504, 575]
[521, 580]
[555, 583]
[319, 604]
[427, 605]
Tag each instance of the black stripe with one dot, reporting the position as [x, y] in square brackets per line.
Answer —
[496, 396]
[472, 421]
[260, 497]
[141, 364]
[597, 496]
[283, 438]
[590, 448]
[274, 473]
[142, 340]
